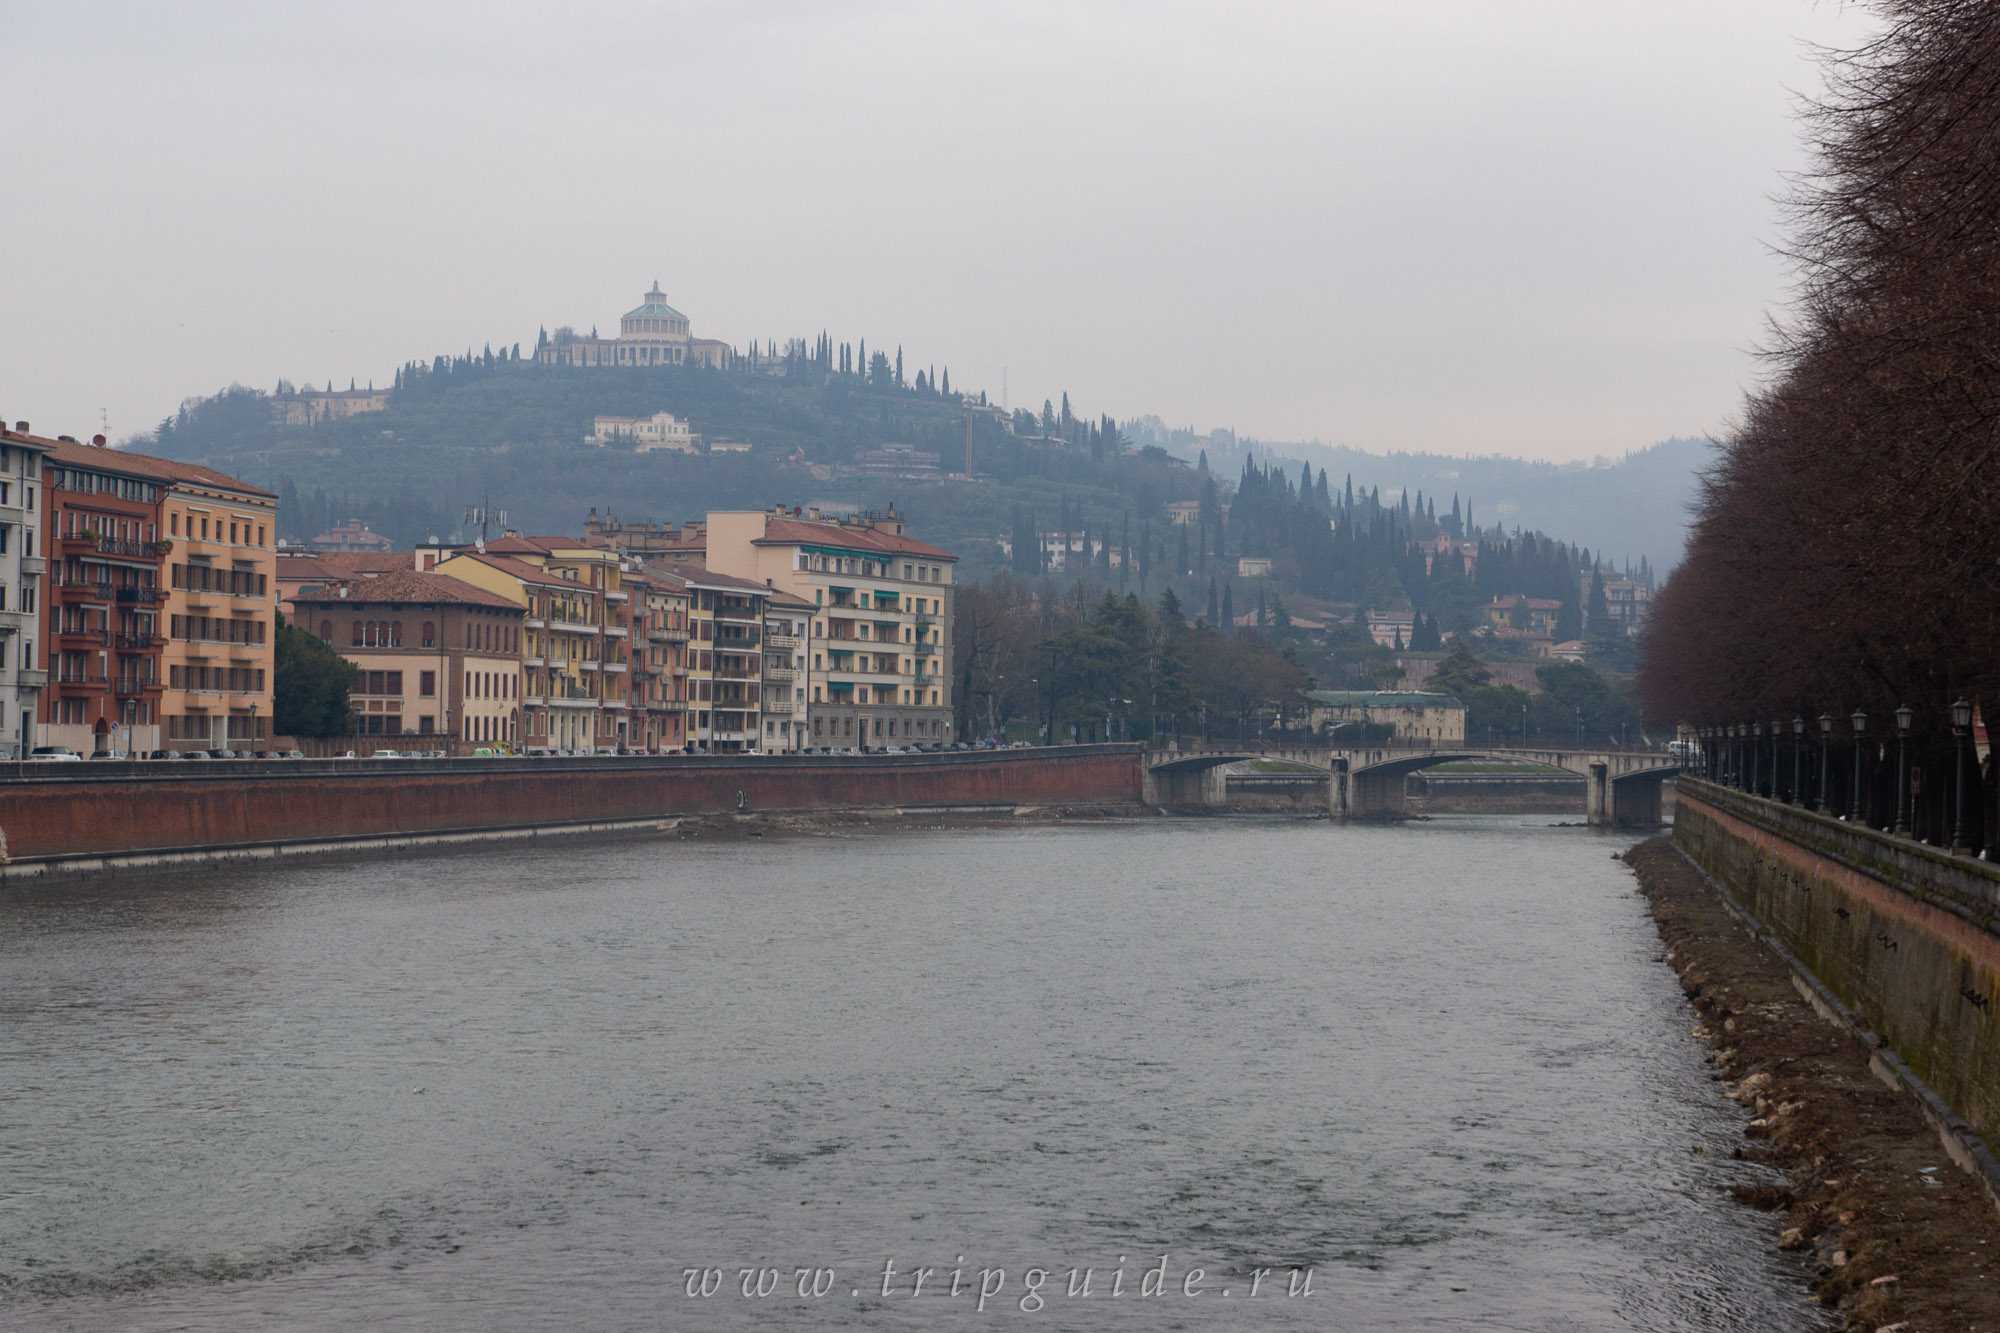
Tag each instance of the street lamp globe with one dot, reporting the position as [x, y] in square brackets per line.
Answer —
[1860, 721]
[1826, 724]
[1798, 726]
[1904, 717]
[1961, 714]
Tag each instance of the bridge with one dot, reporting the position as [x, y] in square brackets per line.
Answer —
[1622, 784]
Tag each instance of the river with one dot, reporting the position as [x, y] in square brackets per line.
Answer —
[1440, 1066]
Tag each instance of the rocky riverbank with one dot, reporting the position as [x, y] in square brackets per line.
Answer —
[1892, 1234]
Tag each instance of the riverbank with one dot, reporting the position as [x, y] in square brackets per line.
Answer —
[1893, 1234]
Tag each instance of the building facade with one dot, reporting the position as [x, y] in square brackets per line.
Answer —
[725, 661]
[1437, 719]
[659, 708]
[660, 431]
[437, 660]
[22, 568]
[219, 618]
[787, 712]
[876, 660]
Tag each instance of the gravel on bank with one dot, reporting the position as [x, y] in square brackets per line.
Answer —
[1891, 1233]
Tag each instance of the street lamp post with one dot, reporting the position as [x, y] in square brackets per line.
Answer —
[1854, 803]
[1798, 796]
[1904, 716]
[1756, 758]
[1825, 735]
[1961, 728]
[1524, 726]
[1579, 726]
[1732, 772]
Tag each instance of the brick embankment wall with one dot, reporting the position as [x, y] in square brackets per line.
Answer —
[179, 807]
[1901, 934]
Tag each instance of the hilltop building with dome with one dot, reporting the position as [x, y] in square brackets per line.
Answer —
[651, 334]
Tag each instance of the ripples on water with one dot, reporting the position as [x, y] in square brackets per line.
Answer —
[1438, 1064]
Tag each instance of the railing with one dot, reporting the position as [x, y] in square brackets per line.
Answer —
[923, 649]
[141, 596]
[778, 673]
[926, 618]
[96, 636]
[664, 634]
[129, 688]
[83, 678]
[781, 642]
[86, 587]
[138, 550]
[139, 643]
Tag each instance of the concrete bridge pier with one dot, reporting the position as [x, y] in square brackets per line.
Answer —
[1598, 794]
[1377, 793]
[1174, 787]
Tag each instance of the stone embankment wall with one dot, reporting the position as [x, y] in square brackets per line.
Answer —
[1435, 793]
[1907, 937]
[54, 813]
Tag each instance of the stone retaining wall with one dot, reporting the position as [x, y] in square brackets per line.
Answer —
[55, 812]
[1905, 936]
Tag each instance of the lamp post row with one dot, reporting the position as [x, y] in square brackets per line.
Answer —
[1730, 754]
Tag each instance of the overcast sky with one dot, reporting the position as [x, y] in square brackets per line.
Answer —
[1523, 226]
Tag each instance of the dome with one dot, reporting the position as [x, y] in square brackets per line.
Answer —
[654, 306]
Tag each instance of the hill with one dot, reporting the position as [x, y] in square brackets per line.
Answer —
[496, 424]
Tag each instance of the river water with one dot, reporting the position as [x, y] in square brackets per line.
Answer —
[1440, 1066]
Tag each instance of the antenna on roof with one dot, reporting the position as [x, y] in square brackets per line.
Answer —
[485, 515]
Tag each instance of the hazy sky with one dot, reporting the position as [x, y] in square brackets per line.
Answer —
[1527, 226]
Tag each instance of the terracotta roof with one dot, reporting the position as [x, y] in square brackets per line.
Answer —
[342, 564]
[788, 601]
[406, 586]
[71, 454]
[522, 570]
[790, 531]
[513, 545]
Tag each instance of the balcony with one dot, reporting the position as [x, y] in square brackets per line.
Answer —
[536, 622]
[926, 618]
[778, 674]
[663, 634]
[781, 642]
[33, 564]
[76, 636]
[591, 664]
[923, 649]
[615, 668]
[139, 643]
[32, 678]
[617, 632]
[81, 682]
[572, 627]
[81, 590]
[131, 550]
[535, 700]
[535, 661]
[136, 687]
[141, 596]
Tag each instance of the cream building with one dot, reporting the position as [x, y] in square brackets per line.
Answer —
[661, 431]
[653, 333]
[220, 616]
[1411, 718]
[22, 566]
[875, 663]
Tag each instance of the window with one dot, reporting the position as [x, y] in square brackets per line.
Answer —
[430, 636]
[357, 635]
[427, 687]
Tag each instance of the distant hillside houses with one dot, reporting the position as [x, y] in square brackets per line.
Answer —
[652, 333]
[660, 431]
[310, 406]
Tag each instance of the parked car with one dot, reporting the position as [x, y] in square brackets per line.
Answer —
[109, 755]
[163, 754]
[58, 754]
[198, 754]
[385, 754]
[292, 754]
[227, 754]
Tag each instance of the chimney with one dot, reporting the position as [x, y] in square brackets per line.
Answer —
[21, 426]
